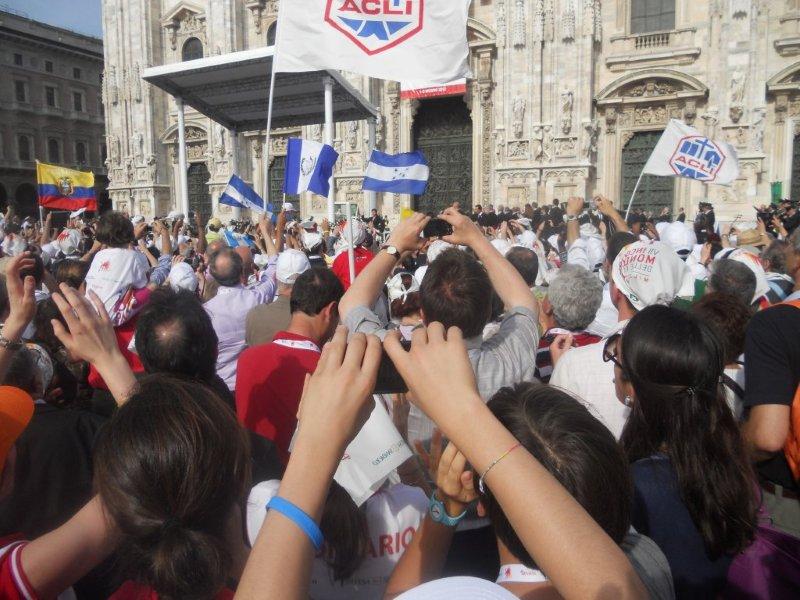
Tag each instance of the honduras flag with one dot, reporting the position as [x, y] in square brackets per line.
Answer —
[240, 195]
[234, 240]
[400, 173]
[309, 167]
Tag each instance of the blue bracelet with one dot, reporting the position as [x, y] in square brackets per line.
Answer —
[300, 518]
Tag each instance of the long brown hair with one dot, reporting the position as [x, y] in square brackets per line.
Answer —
[675, 362]
[170, 467]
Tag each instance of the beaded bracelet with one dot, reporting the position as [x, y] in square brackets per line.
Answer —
[491, 466]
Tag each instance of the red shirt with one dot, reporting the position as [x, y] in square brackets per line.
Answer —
[124, 335]
[341, 266]
[14, 584]
[269, 384]
[544, 362]
[136, 591]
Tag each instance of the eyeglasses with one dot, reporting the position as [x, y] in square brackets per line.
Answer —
[610, 350]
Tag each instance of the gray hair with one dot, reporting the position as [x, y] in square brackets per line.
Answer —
[733, 278]
[576, 295]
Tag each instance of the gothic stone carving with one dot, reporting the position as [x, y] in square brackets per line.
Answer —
[518, 106]
[518, 150]
[519, 24]
[567, 101]
[568, 22]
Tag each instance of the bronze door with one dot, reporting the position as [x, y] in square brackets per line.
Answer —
[654, 192]
[199, 195]
[443, 131]
[795, 191]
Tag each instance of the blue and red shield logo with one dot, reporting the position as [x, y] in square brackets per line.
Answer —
[698, 158]
[376, 25]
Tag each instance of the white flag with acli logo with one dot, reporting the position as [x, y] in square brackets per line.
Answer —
[683, 151]
[400, 40]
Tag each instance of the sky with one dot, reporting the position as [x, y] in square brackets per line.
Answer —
[83, 16]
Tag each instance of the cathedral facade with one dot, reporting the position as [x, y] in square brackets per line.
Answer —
[568, 97]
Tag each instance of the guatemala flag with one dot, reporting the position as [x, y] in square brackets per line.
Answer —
[400, 173]
[309, 167]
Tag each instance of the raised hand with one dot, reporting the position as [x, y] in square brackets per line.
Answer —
[337, 398]
[21, 299]
[465, 231]
[406, 236]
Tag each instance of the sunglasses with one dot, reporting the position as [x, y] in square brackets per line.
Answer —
[610, 350]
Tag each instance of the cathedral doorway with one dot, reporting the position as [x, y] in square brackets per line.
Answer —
[654, 192]
[199, 195]
[277, 172]
[795, 192]
[443, 131]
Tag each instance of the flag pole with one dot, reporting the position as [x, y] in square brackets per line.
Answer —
[269, 132]
[633, 195]
[351, 251]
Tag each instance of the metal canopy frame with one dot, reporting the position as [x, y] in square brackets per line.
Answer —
[234, 90]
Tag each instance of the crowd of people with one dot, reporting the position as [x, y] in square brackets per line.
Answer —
[590, 405]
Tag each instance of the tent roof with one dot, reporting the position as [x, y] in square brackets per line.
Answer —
[233, 89]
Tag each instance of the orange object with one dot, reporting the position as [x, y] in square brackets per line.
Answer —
[16, 411]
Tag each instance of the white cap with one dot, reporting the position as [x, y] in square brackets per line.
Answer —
[291, 264]
[436, 248]
[308, 224]
[174, 215]
[419, 274]
[261, 260]
[651, 272]
[136, 219]
[397, 289]
[527, 239]
[182, 277]
[288, 207]
[311, 239]
[679, 236]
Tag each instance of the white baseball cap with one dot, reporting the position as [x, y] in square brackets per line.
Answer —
[359, 232]
[651, 272]
[288, 207]
[136, 219]
[291, 264]
[174, 215]
[182, 277]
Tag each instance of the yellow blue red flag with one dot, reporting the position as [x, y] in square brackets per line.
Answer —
[65, 189]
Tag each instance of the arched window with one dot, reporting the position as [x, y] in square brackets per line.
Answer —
[272, 34]
[24, 147]
[192, 49]
[53, 151]
[652, 15]
[80, 153]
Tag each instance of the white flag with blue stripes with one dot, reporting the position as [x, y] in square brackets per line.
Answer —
[309, 167]
[398, 173]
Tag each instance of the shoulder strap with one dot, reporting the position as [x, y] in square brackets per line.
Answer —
[729, 383]
[773, 285]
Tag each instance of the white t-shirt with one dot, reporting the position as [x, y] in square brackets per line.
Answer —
[583, 372]
[393, 516]
[735, 402]
[607, 317]
[458, 588]
[114, 271]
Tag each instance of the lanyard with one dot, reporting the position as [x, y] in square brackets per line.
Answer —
[299, 345]
[519, 574]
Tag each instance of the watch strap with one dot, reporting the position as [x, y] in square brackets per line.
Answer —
[438, 513]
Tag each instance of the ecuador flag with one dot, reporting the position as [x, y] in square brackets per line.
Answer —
[65, 189]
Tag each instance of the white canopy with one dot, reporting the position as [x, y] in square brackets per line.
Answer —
[233, 90]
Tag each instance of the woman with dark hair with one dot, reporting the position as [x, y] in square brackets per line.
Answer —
[693, 483]
[578, 451]
[173, 469]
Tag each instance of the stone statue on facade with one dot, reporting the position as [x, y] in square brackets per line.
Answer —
[518, 106]
[137, 146]
[567, 102]
[113, 89]
[758, 129]
[737, 87]
[351, 136]
[591, 131]
[219, 146]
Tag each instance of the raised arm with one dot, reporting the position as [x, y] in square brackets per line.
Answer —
[578, 556]
[201, 233]
[22, 306]
[56, 560]
[606, 208]
[89, 336]
[267, 231]
[366, 287]
[507, 281]
[574, 209]
[336, 403]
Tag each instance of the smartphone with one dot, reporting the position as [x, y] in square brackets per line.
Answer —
[437, 228]
[389, 380]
